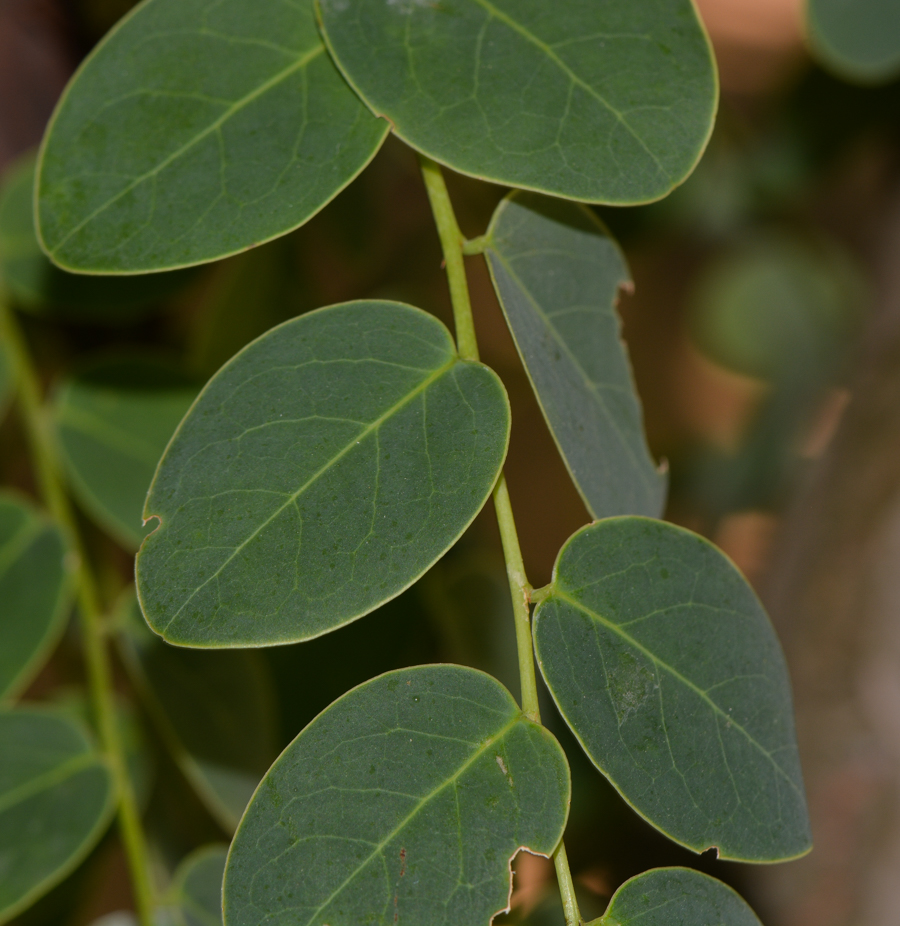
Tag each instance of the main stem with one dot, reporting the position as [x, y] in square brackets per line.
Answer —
[452, 244]
[96, 653]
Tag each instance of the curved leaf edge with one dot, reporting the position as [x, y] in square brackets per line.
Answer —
[477, 510]
[48, 131]
[500, 181]
[699, 850]
[437, 665]
[103, 821]
[624, 286]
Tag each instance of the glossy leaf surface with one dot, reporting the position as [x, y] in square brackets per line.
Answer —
[664, 664]
[196, 129]
[668, 896]
[215, 710]
[35, 591]
[38, 286]
[113, 421]
[55, 801]
[409, 795]
[197, 890]
[557, 273]
[602, 102]
[321, 472]
[857, 39]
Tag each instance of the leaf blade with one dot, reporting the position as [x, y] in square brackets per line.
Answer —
[557, 273]
[859, 41]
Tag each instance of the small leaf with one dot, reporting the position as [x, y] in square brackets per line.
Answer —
[215, 711]
[56, 798]
[857, 39]
[113, 420]
[320, 472]
[557, 273]
[197, 890]
[35, 588]
[38, 286]
[409, 795]
[667, 896]
[195, 130]
[664, 664]
[602, 102]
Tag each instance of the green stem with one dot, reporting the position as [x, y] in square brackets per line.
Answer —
[452, 243]
[96, 653]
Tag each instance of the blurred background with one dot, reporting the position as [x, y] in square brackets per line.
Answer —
[764, 331]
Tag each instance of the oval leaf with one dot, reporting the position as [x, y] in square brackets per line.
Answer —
[320, 473]
[38, 286]
[113, 421]
[35, 588]
[215, 710]
[610, 102]
[557, 273]
[857, 39]
[196, 893]
[195, 130]
[410, 794]
[56, 798]
[664, 664]
[666, 896]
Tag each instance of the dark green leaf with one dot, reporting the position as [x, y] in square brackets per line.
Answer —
[664, 664]
[56, 798]
[114, 420]
[35, 589]
[603, 102]
[409, 795]
[558, 273]
[197, 891]
[37, 285]
[857, 39]
[194, 130]
[215, 710]
[670, 896]
[321, 472]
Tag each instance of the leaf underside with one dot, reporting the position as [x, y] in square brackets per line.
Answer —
[664, 664]
[557, 273]
[35, 591]
[608, 102]
[56, 797]
[858, 40]
[320, 473]
[667, 896]
[196, 129]
[113, 421]
[404, 801]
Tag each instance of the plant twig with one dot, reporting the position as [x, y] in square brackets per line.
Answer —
[452, 243]
[96, 653]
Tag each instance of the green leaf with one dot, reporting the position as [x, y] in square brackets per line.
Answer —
[666, 896]
[56, 798]
[409, 795]
[113, 421]
[557, 273]
[197, 890]
[214, 710]
[194, 130]
[857, 39]
[35, 588]
[320, 472]
[38, 286]
[602, 102]
[664, 664]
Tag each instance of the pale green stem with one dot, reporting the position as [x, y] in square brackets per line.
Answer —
[452, 243]
[96, 653]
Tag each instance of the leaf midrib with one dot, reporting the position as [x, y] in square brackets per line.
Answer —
[422, 803]
[45, 781]
[358, 438]
[214, 126]
[671, 670]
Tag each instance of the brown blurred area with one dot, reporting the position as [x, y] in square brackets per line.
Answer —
[797, 479]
